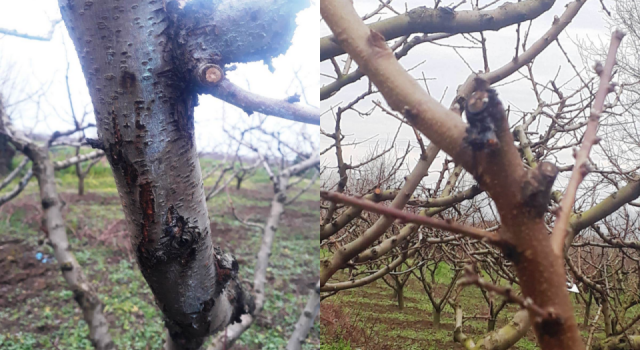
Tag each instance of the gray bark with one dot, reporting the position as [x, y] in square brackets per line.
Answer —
[63, 164]
[305, 322]
[142, 62]
[83, 292]
[427, 20]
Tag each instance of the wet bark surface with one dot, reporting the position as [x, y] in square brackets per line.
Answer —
[139, 59]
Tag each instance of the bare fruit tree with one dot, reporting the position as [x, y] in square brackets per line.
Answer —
[491, 212]
[285, 175]
[43, 169]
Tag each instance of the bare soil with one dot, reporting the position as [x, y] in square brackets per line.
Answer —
[23, 277]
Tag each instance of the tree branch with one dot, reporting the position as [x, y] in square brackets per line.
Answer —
[427, 20]
[7, 180]
[250, 102]
[16, 190]
[305, 322]
[62, 164]
[581, 168]
[13, 32]
[447, 225]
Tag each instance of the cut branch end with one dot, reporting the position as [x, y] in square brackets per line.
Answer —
[210, 74]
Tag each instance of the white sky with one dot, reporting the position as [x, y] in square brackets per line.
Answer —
[448, 71]
[36, 64]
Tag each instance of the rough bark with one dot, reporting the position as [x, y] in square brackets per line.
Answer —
[141, 61]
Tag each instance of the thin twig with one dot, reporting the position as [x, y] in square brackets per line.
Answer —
[581, 168]
[448, 224]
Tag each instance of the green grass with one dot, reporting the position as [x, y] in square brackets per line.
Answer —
[373, 308]
[339, 345]
[135, 321]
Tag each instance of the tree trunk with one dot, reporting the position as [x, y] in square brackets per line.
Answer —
[587, 311]
[400, 293]
[143, 63]
[83, 292]
[239, 182]
[436, 318]
[606, 315]
[80, 185]
[6, 155]
[491, 325]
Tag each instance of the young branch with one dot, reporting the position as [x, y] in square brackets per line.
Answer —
[472, 278]
[62, 164]
[250, 102]
[448, 225]
[581, 168]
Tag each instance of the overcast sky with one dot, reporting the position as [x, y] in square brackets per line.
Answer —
[35, 64]
[445, 71]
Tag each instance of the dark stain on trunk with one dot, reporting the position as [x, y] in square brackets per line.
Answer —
[48, 203]
[243, 302]
[148, 209]
[128, 81]
[180, 237]
[551, 326]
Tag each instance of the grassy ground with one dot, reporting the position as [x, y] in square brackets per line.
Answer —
[369, 317]
[38, 312]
